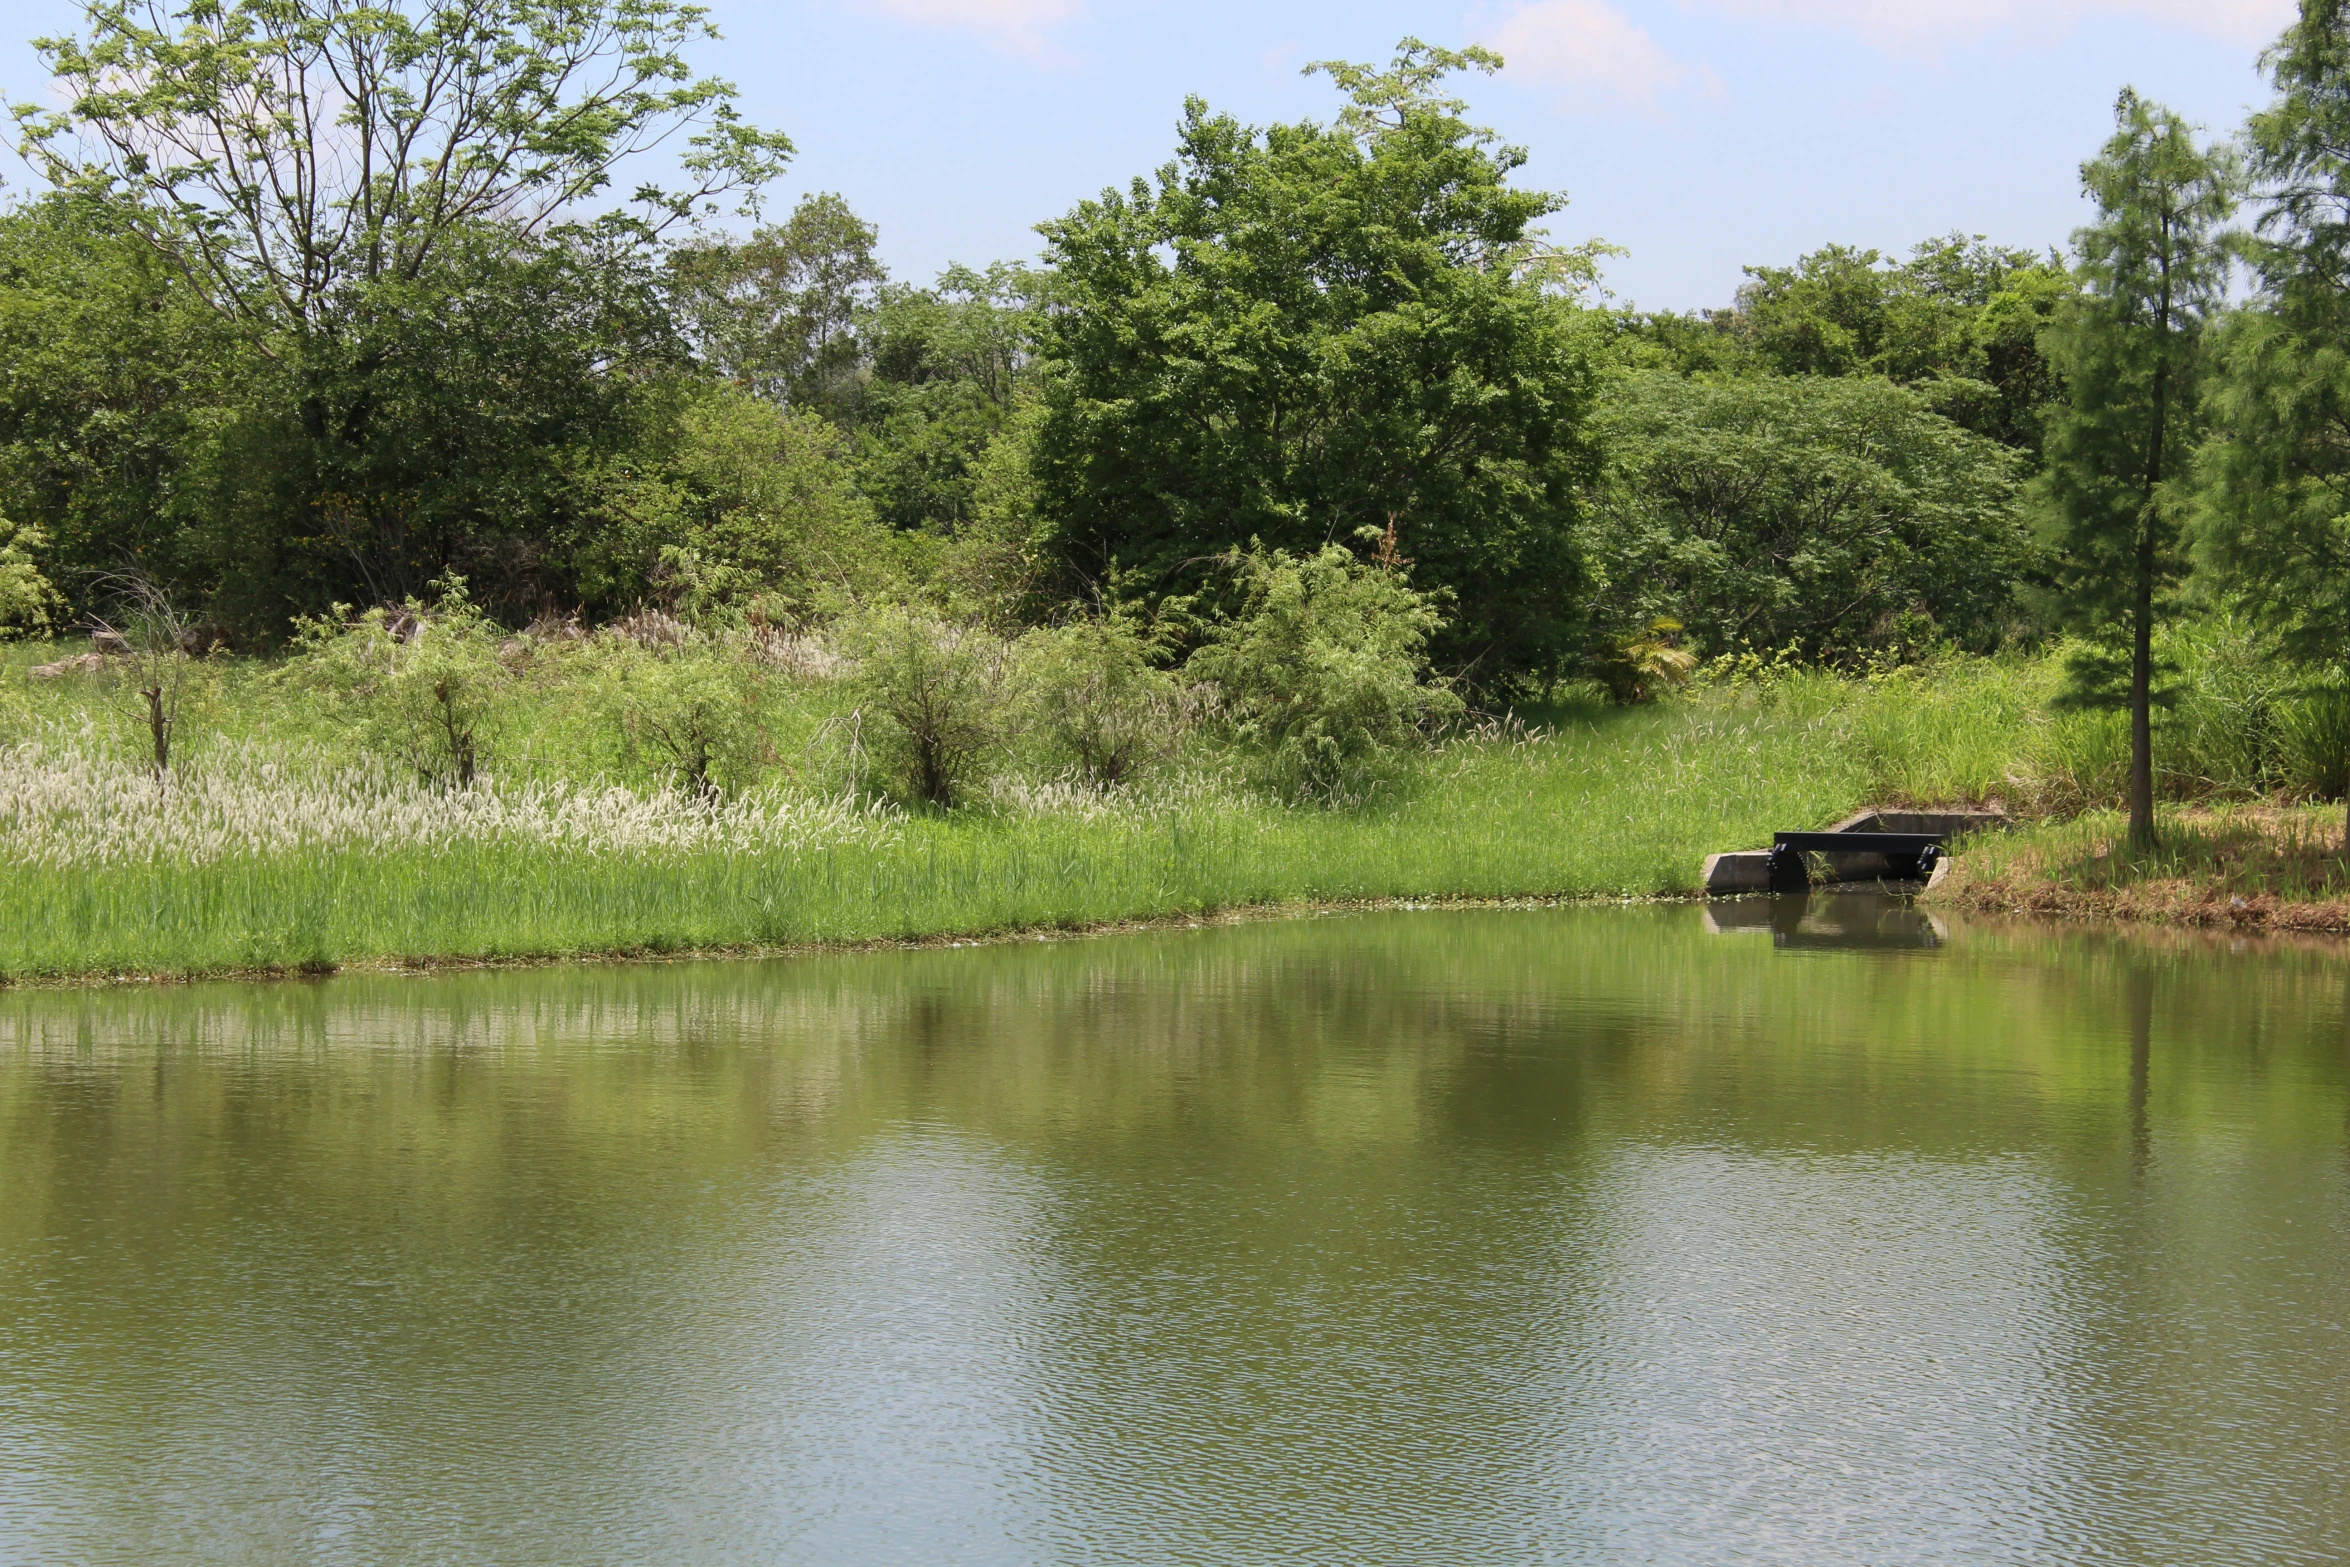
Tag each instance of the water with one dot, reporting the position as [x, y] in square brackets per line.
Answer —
[1579, 1236]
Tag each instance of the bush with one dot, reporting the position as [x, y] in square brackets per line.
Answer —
[687, 712]
[1101, 705]
[425, 683]
[1644, 665]
[1324, 670]
[751, 502]
[940, 699]
[26, 599]
[2314, 729]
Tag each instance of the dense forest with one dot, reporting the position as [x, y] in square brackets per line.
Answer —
[327, 307]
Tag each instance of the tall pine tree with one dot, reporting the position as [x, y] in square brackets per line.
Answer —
[2273, 522]
[2131, 350]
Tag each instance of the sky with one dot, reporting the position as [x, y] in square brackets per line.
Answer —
[1701, 136]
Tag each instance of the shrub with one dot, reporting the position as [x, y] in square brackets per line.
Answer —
[1324, 671]
[150, 645]
[751, 502]
[940, 699]
[426, 683]
[687, 711]
[1646, 664]
[1100, 704]
[26, 598]
[2314, 730]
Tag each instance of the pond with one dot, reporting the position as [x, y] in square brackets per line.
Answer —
[1587, 1235]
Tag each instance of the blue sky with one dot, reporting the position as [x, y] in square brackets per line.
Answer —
[1699, 134]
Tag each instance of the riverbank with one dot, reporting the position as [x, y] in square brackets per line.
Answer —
[245, 865]
[2247, 867]
[281, 844]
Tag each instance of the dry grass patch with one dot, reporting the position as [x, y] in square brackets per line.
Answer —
[2257, 867]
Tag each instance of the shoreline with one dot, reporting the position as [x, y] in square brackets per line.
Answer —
[2176, 905]
[429, 967]
[2209, 911]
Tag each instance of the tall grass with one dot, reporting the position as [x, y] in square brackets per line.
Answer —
[280, 844]
[1621, 803]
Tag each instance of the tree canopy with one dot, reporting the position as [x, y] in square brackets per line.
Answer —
[1840, 517]
[1301, 333]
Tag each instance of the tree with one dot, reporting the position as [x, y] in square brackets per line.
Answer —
[778, 313]
[2132, 351]
[2273, 520]
[385, 201]
[1958, 322]
[1837, 515]
[1299, 332]
[490, 392]
[946, 367]
[117, 378]
[283, 152]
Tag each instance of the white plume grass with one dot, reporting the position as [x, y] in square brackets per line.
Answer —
[69, 806]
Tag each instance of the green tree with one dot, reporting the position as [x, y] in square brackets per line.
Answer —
[119, 384]
[1299, 332]
[385, 202]
[488, 392]
[2273, 521]
[283, 152]
[1838, 515]
[1958, 322]
[2132, 353]
[778, 313]
[946, 367]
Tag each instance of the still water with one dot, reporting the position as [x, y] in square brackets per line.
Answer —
[1601, 1235]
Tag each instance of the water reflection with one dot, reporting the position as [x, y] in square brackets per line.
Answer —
[1830, 921]
[1573, 1236]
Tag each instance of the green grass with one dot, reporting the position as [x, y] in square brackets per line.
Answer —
[1592, 802]
[1619, 803]
[2291, 855]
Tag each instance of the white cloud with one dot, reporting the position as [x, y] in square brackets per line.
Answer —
[1901, 24]
[1587, 48]
[1020, 26]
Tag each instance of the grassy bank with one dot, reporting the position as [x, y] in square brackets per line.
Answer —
[279, 842]
[1621, 803]
[2230, 866]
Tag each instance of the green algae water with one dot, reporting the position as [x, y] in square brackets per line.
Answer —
[1592, 1235]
